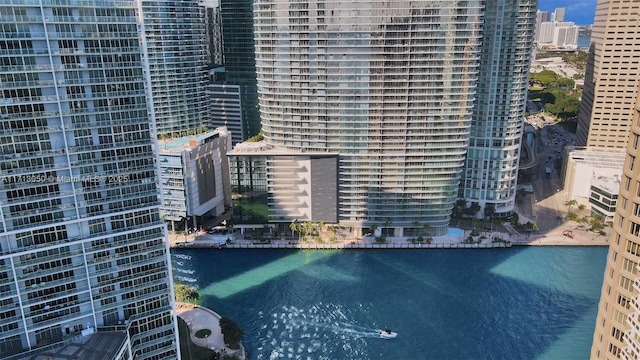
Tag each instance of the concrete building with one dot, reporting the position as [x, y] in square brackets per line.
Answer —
[582, 166]
[541, 17]
[558, 34]
[558, 14]
[611, 79]
[295, 186]
[566, 37]
[177, 50]
[390, 92]
[603, 197]
[194, 172]
[491, 168]
[84, 266]
[616, 334]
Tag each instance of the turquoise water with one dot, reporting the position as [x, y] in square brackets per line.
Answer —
[519, 303]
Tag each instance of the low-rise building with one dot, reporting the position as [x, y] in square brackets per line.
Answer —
[301, 186]
[592, 177]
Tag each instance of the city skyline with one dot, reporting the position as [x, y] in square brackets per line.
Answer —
[581, 12]
[394, 96]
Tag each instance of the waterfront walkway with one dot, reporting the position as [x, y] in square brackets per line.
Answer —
[568, 234]
[198, 318]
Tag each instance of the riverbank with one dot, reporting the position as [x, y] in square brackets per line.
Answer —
[562, 236]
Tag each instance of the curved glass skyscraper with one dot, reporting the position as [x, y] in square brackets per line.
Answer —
[389, 85]
[491, 169]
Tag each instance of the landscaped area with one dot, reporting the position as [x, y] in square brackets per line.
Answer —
[189, 350]
[203, 333]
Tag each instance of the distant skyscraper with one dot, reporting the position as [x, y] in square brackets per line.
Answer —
[541, 17]
[558, 15]
[240, 58]
[617, 334]
[391, 89]
[81, 240]
[611, 80]
[496, 129]
[214, 33]
[177, 50]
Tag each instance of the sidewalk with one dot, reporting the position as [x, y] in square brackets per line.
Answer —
[554, 237]
[198, 318]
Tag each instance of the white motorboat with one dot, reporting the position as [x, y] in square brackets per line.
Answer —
[387, 334]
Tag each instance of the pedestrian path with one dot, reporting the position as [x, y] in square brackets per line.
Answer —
[199, 318]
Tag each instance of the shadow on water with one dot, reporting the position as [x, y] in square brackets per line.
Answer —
[520, 303]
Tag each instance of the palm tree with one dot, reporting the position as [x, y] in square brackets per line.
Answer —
[416, 224]
[426, 228]
[571, 203]
[295, 227]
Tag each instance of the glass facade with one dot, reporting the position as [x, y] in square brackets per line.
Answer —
[81, 241]
[491, 169]
[239, 59]
[177, 49]
[388, 85]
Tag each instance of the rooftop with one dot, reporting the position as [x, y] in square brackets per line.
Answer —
[598, 158]
[177, 144]
[98, 346]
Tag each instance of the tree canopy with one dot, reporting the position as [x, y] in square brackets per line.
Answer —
[558, 95]
[231, 332]
[186, 293]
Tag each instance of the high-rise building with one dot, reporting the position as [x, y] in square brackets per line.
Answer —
[491, 169]
[391, 89]
[616, 334]
[240, 60]
[558, 14]
[214, 32]
[611, 79]
[541, 17]
[83, 260]
[225, 109]
[177, 50]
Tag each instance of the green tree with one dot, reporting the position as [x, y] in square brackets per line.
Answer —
[544, 78]
[573, 217]
[256, 138]
[295, 227]
[566, 83]
[231, 332]
[186, 293]
[473, 209]
[570, 203]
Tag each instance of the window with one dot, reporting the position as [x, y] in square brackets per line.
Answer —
[633, 248]
[630, 266]
[626, 283]
[623, 301]
[634, 229]
[619, 317]
[632, 162]
[617, 334]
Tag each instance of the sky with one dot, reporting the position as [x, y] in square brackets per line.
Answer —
[579, 11]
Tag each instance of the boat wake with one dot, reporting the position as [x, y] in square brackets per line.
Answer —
[314, 333]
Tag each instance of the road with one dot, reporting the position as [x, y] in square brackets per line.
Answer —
[549, 197]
